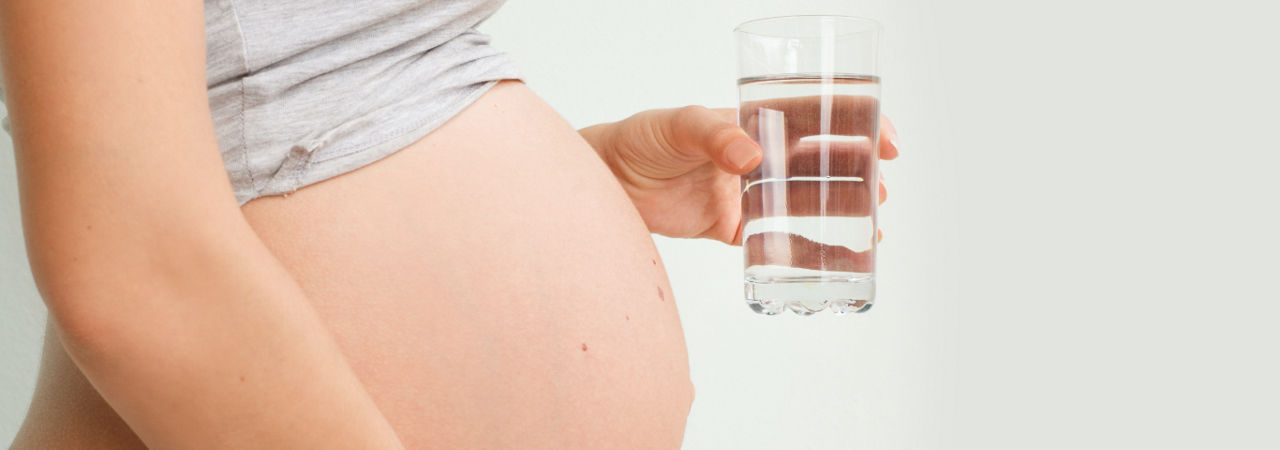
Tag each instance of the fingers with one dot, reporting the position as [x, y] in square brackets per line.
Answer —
[848, 115]
[810, 165]
[786, 249]
[888, 139]
[727, 114]
[697, 131]
[818, 158]
[807, 198]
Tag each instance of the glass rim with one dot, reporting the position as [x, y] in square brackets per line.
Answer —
[869, 25]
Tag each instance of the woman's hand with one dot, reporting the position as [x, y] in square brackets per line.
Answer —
[682, 167]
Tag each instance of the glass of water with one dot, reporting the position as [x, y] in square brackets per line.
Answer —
[809, 94]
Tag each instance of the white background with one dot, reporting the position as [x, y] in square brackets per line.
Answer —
[1080, 237]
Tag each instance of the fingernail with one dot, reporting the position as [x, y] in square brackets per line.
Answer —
[893, 135]
[882, 176]
[741, 152]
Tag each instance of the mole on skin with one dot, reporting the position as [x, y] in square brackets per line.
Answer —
[661, 296]
[584, 346]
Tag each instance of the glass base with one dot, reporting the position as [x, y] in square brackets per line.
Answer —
[809, 295]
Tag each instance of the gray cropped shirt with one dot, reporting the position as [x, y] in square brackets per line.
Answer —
[305, 90]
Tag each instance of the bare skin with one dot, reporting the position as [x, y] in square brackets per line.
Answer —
[491, 285]
[464, 358]
[568, 339]
[497, 289]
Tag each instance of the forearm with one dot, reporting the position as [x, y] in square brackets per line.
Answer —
[601, 138]
[596, 134]
[163, 295]
[206, 341]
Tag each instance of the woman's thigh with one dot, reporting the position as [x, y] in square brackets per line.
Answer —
[492, 286]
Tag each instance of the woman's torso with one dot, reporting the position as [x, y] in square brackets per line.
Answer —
[489, 283]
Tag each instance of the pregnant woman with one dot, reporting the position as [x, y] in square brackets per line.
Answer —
[328, 224]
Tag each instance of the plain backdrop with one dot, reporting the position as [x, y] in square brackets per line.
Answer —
[1080, 236]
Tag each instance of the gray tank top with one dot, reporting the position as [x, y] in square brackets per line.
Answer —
[305, 90]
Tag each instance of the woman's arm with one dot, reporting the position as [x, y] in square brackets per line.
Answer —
[163, 295]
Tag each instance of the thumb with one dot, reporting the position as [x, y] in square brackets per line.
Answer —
[699, 132]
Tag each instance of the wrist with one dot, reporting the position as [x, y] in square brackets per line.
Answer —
[604, 139]
[599, 137]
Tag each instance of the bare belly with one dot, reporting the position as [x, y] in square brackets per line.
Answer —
[490, 284]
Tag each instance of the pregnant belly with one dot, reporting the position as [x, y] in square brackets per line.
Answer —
[492, 286]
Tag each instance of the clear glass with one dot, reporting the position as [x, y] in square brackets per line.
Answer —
[809, 94]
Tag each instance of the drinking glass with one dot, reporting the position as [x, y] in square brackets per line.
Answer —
[809, 94]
